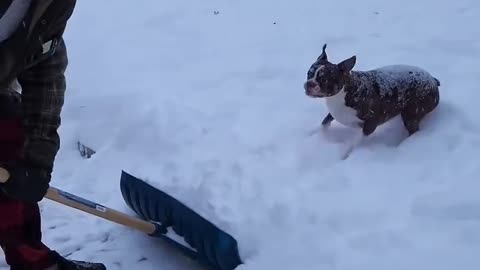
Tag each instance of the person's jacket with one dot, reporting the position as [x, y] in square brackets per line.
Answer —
[40, 73]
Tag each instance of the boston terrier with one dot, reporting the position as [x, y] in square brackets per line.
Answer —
[368, 99]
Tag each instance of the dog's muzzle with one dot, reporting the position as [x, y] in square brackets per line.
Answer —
[308, 85]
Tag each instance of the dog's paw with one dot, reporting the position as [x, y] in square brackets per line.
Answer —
[356, 141]
[312, 132]
[320, 129]
[346, 152]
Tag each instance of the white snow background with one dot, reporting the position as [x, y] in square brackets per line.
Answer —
[205, 100]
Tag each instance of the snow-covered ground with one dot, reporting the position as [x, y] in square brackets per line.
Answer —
[205, 100]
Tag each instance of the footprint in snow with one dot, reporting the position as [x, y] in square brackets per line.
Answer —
[447, 211]
[62, 239]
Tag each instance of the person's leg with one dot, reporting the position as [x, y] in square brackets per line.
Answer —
[20, 222]
[20, 236]
[21, 240]
[20, 228]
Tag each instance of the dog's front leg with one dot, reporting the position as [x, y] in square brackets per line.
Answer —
[367, 129]
[359, 136]
[325, 124]
[327, 120]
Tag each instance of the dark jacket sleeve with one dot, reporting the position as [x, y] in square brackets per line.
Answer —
[43, 89]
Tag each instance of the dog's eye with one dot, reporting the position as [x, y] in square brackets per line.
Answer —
[322, 80]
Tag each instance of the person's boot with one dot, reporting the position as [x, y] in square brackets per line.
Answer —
[80, 265]
[64, 264]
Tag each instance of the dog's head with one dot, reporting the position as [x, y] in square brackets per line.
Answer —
[325, 79]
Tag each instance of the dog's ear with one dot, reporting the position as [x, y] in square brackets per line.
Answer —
[348, 64]
[323, 56]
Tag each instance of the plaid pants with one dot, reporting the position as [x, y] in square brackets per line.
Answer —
[20, 227]
[21, 237]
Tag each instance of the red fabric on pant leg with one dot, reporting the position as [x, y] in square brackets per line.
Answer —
[11, 139]
[20, 236]
[20, 223]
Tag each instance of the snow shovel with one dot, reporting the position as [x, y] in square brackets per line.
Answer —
[214, 248]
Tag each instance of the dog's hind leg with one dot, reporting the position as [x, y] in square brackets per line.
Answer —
[414, 113]
[411, 119]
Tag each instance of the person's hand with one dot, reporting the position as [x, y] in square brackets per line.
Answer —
[26, 183]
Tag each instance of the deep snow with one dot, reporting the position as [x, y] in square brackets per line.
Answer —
[205, 100]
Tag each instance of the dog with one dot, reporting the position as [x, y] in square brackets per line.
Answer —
[368, 99]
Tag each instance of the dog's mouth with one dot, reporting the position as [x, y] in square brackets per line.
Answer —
[312, 90]
[310, 93]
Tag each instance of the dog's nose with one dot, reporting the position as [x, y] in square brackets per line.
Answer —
[309, 84]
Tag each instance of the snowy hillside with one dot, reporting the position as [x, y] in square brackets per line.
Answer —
[205, 100]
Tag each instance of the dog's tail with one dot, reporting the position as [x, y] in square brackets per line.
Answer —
[438, 82]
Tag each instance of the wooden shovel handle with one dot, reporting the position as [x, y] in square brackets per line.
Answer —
[90, 207]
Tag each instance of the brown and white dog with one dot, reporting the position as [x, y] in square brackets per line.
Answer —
[368, 99]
